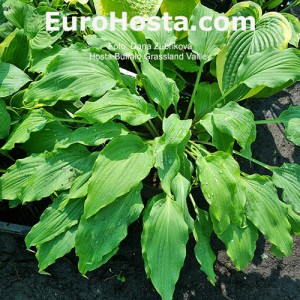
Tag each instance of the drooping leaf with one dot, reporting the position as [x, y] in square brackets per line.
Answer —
[267, 212]
[102, 233]
[206, 44]
[121, 165]
[165, 233]
[72, 76]
[240, 243]
[61, 216]
[11, 79]
[34, 121]
[294, 220]
[204, 253]
[295, 25]
[287, 178]
[39, 175]
[118, 104]
[5, 120]
[161, 90]
[221, 185]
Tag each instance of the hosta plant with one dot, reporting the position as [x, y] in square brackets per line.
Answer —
[90, 135]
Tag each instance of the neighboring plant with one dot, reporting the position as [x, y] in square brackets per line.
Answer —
[92, 136]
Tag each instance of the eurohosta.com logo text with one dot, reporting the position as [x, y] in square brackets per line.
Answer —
[54, 22]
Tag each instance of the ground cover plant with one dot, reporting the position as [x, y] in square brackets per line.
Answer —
[89, 134]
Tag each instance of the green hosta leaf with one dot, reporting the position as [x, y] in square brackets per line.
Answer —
[13, 53]
[204, 253]
[206, 44]
[133, 8]
[295, 25]
[47, 138]
[288, 178]
[61, 216]
[165, 233]
[5, 120]
[35, 29]
[34, 121]
[93, 135]
[49, 252]
[240, 243]
[206, 97]
[294, 220]
[38, 176]
[16, 12]
[272, 30]
[267, 212]
[5, 30]
[291, 120]
[11, 79]
[161, 90]
[102, 233]
[121, 165]
[181, 188]
[119, 104]
[72, 76]
[271, 68]
[221, 185]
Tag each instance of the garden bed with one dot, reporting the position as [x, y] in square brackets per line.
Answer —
[123, 277]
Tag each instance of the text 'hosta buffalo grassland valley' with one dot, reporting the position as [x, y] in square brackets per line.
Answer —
[90, 133]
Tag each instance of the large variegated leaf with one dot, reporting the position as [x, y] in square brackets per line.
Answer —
[221, 185]
[93, 135]
[295, 25]
[287, 178]
[5, 120]
[204, 253]
[161, 90]
[11, 79]
[164, 239]
[240, 243]
[72, 76]
[133, 8]
[62, 215]
[34, 121]
[206, 44]
[99, 235]
[118, 104]
[272, 30]
[121, 165]
[48, 252]
[38, 176]
[267, 212]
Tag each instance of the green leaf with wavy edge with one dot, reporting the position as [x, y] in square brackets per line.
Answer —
[12, 52]
[294, 220]
[267, 212]
[272, 30]
[16, 12]
[118, 104]
[5, 120]
[34, 121]
[221, 185]
[69, 81]
[102, 233]
[295, 25]
[121, 165]
[206, 44]
[48, 252]
[203, 251]
[287, 177]
[164, 232]
[161, 89]
[39, 175]
[59, 217]
[11, 79]
[240, 243]
[133, 8]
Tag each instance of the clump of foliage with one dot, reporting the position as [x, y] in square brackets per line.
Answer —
[91, 134]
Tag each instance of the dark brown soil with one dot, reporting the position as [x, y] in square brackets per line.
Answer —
[266, 277]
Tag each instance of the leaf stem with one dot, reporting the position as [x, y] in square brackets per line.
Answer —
[153, 127]
[271, 121]
[289, 7]
[150, 130]
[70, 120]
[202, 63]
[161, 61]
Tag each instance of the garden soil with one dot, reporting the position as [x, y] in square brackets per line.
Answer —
[123, 278]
